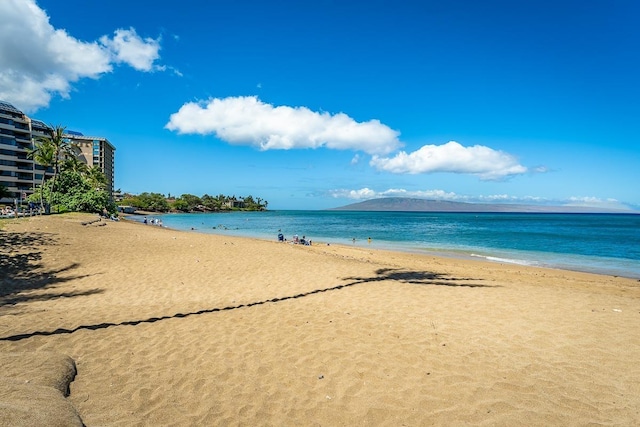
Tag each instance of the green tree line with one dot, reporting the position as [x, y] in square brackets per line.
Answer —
[72, 185]
[4, 192]
[156, 202]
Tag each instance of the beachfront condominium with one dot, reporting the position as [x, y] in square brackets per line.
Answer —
[95, 151]
[19, 174]
[17, 171]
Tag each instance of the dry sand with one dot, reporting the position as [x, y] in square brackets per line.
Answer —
[176, 328]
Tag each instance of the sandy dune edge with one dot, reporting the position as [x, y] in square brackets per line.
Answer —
[33, 386]
[173, 328]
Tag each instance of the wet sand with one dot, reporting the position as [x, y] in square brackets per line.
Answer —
[162, 327]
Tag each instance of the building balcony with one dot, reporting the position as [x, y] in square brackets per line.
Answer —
[17, 118]
[24, 139]
[13, 126]
[19, 159]
[7, 141]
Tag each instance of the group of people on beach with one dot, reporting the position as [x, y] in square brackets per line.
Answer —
[296, 239]
[153, 221]
[304, 241]
[7, 211]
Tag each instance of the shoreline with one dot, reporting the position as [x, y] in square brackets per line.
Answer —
[567, 262]
[168, 327]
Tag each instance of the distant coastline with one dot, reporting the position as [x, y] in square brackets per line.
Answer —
[401, 204]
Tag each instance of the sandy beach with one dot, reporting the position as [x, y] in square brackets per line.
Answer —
[122, 324]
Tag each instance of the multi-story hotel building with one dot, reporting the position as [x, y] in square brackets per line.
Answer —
[20, 174]
[17, 172]
[95, 151]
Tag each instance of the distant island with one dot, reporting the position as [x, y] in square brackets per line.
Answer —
[402, 204]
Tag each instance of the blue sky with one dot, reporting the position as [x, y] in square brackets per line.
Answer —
[314, 105]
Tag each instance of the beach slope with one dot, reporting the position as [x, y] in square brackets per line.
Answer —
[178, 328]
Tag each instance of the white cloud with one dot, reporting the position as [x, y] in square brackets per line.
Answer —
[362, 194]
[249, 121]
[131, 49]
[595, 202]
[540, 169]
[486, 163]
[38, 61]
[367, 194]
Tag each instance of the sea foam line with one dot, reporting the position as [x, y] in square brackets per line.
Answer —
[505, 260]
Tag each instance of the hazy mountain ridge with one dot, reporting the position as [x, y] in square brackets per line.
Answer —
[402, 204]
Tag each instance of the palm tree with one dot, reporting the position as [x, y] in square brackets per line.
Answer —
[74, 164]
[96, 177]
[49, 151]
[4, 192]
[43, 154]
[62, 149]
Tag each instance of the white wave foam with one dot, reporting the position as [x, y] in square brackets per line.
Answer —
[505, 260]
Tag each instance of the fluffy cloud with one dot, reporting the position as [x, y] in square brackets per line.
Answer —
[249, 121]
[595, 202]
[367, 194]
[38, 61]
[486, 163]
[129, 48]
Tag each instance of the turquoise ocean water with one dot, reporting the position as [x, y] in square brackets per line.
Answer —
[600, 243]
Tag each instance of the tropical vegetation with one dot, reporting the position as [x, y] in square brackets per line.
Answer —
[69, 184]
[4, 192]
[73, 185]
[155, 202]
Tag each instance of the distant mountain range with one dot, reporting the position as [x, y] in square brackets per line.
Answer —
[401, 204]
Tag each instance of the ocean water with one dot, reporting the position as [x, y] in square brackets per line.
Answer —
[600, 243]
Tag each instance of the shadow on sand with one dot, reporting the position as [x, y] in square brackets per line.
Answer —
[385, 274]
[22, 271]
[418, 278]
